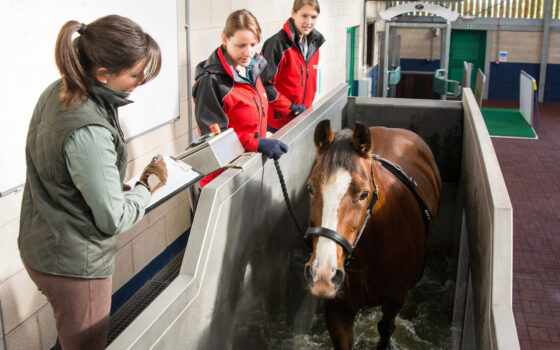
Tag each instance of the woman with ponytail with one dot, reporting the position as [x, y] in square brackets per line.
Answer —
[74, 204]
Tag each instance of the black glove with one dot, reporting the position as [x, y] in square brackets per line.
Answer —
[272, 148]
[297, 109]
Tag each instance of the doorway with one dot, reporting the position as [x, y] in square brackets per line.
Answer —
[466, 45]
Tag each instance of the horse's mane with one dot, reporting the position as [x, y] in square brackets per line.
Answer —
[340, 154]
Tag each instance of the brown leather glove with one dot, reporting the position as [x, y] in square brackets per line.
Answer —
[154, 175]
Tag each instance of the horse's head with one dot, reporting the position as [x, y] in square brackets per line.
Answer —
[342, 190]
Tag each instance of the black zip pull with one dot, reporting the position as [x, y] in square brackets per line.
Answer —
[258, 111]
[257, 104]
[306, 77]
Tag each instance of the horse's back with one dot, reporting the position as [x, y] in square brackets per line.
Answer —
[409, 151]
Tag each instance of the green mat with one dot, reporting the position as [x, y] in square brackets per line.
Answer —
[507, 123]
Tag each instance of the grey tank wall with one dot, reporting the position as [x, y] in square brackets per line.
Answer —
[439, 123]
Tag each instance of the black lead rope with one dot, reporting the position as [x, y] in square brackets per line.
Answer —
[300, 229]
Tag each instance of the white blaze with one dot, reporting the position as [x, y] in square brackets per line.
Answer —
[336, 187]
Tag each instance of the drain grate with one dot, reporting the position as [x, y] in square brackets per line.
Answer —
[127, 313]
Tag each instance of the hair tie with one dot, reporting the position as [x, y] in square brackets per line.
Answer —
[82, 29]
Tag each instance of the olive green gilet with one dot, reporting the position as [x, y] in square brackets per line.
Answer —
[57, 229]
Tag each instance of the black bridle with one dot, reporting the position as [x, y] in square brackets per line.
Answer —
[341, 240]
[337, 237]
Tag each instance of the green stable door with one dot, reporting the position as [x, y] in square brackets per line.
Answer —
[470, 46]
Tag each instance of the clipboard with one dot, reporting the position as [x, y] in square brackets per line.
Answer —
[179, 176]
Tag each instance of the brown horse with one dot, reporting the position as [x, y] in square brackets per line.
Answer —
[372, 221]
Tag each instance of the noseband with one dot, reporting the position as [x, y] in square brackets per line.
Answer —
[341, 240]
[337, 237]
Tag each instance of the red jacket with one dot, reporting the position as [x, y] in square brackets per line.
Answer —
[222, 97]
[288, 77]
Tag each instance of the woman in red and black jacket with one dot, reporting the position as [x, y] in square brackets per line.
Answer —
[290, 78]
[228, 90]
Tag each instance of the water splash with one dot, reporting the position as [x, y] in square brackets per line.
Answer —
[424, 322]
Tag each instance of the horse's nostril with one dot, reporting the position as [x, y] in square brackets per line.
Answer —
[338, 277]
[308, 274]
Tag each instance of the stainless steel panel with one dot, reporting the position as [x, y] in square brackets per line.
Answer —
[214, 153]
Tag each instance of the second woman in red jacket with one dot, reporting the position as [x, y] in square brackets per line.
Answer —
[290, 77]
[229, 92]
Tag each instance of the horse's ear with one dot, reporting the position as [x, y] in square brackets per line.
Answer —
[324, 136]
[361, 139]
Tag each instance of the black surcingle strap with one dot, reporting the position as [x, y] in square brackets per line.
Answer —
[410, 183]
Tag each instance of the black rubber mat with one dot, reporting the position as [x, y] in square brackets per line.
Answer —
[124, 316]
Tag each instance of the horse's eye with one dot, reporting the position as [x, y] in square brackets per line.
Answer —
[364, 195]
[309, 189]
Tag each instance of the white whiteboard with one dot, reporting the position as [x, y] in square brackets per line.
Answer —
[28, 32]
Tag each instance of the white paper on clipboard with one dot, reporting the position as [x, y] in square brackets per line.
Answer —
[179, 175]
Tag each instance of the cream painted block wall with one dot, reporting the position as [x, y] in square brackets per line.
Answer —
[27, 315]
[415, 43]
[554, 48]
[520, 46]
[335, 17]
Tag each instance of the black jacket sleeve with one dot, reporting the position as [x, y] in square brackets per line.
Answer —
[209, 108]
[273, 54]
[273, 51]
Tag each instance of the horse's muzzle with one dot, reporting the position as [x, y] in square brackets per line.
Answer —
[323, 286]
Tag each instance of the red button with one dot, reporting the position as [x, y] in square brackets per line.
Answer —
[215, 128]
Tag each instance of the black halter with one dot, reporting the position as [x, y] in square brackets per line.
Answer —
[341, 240]
[337, 237]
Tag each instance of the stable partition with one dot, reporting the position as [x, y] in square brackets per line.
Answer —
[489, 218]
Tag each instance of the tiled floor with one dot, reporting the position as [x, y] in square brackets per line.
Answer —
[531, 169]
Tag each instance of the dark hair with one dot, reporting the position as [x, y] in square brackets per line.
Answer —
[241, 20]
[112, 42]
[340, 154]
[298, 4]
